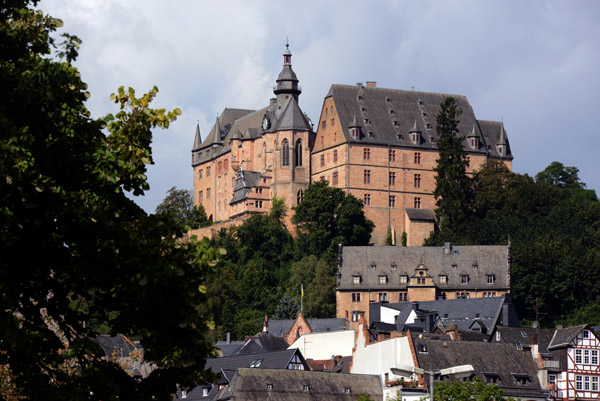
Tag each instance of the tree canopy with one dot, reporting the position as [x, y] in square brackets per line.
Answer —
[75, 249]
[180, 204]
[453, 188]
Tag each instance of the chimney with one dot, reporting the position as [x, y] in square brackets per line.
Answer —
[228, 338]
[266, 325]
[371, 84]
[447, 248]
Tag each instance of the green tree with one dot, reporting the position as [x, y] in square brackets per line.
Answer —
[287, 308]
[74, 247]
[561, 176]
[327, 217]
[180, 204]
[475, 390]
[453, 188]
[317, 277]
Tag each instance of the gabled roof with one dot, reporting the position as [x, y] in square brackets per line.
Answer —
[501, 360]
[386, 116]
[265, 360]
[117, 346]
[281, 327]
[292, 118]
[298, 385]
[524, 336]
[564, 337]
[263, 342]
[245, 180]
[393, 260]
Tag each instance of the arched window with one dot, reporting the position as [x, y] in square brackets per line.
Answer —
[300, 196]
[285, 153]
[298, 152]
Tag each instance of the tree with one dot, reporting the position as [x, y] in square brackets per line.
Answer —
[75, 248]
[317, 277]
[475, 390]
[453, 188]
[327, 217]
[287, 308]
[180, 204]
[558, 175]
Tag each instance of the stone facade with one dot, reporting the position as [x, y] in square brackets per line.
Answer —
[377, 144]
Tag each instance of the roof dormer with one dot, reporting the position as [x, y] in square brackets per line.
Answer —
[415, 134]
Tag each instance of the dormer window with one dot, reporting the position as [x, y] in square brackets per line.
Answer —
[490, 278]
[372, 266]
[492, 377]
[347, 390]
[355, 132]
[521, 378]
[356, 279]
[305, 387]
[403, 279]
[443, 279]
[383, 279]
[269, 386]
[415, 137]
[474, 143]
[205, 392]
[393, 266]
[422, 348]
[464, 279]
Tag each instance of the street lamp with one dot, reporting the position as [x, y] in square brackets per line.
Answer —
[460, 372]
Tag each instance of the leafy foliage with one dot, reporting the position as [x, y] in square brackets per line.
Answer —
[554, 233]
[558, 175]
[75, 249]
[453, 188]
[180, 204]
[475, 390]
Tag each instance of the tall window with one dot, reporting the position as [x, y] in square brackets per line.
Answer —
[298, 153]
[392, 201]
[335, 156]
[322, 160]
[367, 199]
[334, 178]
[200, 195]
[366, 153]
[208, 171]
[299, 196]
[392, 155]
[468, 161]
[207, 193]
[367, 177]
[200, 173]
[285, 153]
[417, 180]
[417, 203]
[392, 178]
[417, 157]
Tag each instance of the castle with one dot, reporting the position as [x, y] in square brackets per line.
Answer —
[377, 144]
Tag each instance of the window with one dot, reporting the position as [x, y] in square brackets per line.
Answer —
[579, 382]
[594, 383]
[468, 161]
[207, 193]
[403, 279]
[225, 164]
[322, 158]
[200, 196]
[305, 387]
[392, 201]
[383, 279]
[475, 266]
[594, 357]
[586, 382]
[383, 297]
[443, 279]
[295, 364]
[199, 173]
[422, 348]
[299, 196]
[464, 279]
[417, 203]
[551, 378]
[586, 356]
[578, 357]
[323, 124]
[417, 157]
[259, 203]
[204, 392]
[367, 176]
[492, 378]
[367, 199]
[417, 180]
[393, 266]
[392, 155]
[490, 278]
[334, 178]
[454, 266]
[521, 379]
[219, 167]
[332, 121]
[356, 297]
[285, 153]
[208, 171]
[347, 390]
[366, 153]
[322, 178]
[298, 153]
[403, 296]
[585, 334]
[392, 178]
[322, 140]
[355, 316]
[335, 159]
[355, 280]
[269, 386]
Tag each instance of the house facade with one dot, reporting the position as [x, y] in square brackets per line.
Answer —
[377, 144]
[368, 274]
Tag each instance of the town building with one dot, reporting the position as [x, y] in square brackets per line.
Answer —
[377, 144]
[368, 274]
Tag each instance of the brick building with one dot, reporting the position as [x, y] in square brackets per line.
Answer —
[378, 144]
[368, 274]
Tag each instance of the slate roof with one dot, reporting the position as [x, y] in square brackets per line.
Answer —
[281, 327]
[266, 384]
[292, 118]
[117, 346]
[521, 336]
[386, 116]
[420, 214]
[245, 180]
[268, 360]
[263, 342]
[229, 348]
[489, 259]
[564, 337]
[497, 359]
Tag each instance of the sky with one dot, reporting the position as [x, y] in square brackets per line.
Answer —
[533, 64]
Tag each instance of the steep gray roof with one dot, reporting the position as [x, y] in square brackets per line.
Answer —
[245, 180]
[523, 336]
[292, 118]
[281, 327]
[504, 361]
[289, 385]
[197, 139]
[268, 360]
[564, 337]
[420, 214]
[489, 259]
[495, 134]
[386, 116]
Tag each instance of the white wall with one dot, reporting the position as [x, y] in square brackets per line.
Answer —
[321, 346]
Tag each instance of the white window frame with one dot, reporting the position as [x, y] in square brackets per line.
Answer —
[578, 356]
